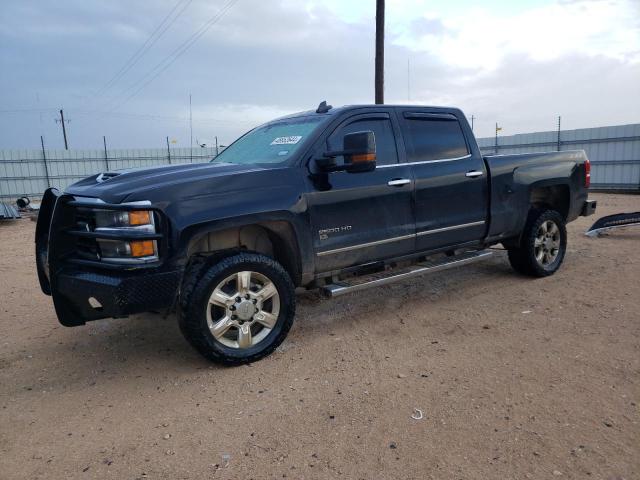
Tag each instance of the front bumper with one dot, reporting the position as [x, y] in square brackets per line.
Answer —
[589, 208]
[81, 296]
[85, 290]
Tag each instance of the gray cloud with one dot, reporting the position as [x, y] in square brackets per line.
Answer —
[262, 59]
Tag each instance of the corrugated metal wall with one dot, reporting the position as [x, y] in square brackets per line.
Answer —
[614, 151]
[31, 172]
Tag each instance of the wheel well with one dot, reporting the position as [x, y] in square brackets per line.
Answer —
[276, 239]
[555, 197]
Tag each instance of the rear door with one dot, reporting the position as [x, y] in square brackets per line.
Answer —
[362, 217]
[451, 186]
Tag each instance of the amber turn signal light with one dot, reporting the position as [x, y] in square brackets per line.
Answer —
[142, 248]
[365, 157]
[140, 217]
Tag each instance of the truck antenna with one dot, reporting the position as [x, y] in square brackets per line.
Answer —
[323, 107]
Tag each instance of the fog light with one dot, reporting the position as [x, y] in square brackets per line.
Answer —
[142, 248]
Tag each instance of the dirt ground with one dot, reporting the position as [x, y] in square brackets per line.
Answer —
[516, 378]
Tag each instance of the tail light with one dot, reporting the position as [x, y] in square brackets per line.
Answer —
[587, 173]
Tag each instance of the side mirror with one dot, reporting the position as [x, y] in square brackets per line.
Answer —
[362, 146]
[359, 152]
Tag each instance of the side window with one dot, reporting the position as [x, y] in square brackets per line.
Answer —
[434, 139]
[386, 153]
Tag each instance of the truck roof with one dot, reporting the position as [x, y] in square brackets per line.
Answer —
[336, 110]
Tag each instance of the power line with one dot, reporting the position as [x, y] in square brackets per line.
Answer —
[144, 48]
[177, 53]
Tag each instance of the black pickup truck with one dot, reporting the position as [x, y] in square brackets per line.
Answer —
[338, 199]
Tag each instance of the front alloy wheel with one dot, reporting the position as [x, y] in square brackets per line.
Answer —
[236, 309]
[243, 309]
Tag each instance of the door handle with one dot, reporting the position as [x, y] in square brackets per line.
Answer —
[474, 174]
[396, 182]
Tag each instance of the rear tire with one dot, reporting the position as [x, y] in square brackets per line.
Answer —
[237, 309]
[543, 244]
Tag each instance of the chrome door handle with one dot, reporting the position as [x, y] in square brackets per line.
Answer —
[474, 174]
[396, 182]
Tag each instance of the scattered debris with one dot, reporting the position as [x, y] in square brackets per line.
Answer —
[8, 212]
[393, 445]
[613, 221]
[226, 458]
[402, 375]
[526, 312]
[417, 414]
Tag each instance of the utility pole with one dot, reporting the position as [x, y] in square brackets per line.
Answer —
[216, 145]
[190, 131]
[408, 81]
[472, 119]
[559, 132]
[379, 79]
[168, 151]
[497, 130]
[106, 155]
[64, 130]
[44, 160]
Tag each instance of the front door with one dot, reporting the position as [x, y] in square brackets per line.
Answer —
[363, 217]
[451, 180]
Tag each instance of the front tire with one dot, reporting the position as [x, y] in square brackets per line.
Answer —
[543, 244]
[238, 309]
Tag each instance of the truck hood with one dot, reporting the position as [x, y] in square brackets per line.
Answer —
[120, 185]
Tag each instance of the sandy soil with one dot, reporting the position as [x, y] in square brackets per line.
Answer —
[516, 378]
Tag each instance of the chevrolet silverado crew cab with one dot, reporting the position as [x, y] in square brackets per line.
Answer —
[338, 199]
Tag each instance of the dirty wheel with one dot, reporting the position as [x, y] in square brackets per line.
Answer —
[239, 310]
[543, 245]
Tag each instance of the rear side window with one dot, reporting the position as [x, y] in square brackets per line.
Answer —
[434, 139]
[386, 152]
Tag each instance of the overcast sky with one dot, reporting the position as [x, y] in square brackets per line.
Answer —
[519, 63]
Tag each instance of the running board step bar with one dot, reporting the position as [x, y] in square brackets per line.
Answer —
[341, 288]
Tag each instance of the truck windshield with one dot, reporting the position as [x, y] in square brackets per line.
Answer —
[271, 143]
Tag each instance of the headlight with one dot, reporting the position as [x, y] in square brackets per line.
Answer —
[126, 251]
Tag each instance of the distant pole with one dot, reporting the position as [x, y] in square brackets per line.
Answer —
[472, 119]
[64, 130]
[168, 151]
[408, 81]
[106, 156]
[496, 145]
[190, 131]
[216, 145]
[44, 160]
[379, 79]
[559, 132]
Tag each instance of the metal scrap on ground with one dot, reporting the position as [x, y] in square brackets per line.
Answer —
[8, 212]
[613, 221]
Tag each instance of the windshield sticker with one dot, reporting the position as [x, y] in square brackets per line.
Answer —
[286, 140]
[282, 153]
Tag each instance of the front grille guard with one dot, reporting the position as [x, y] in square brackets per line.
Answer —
[57, 234]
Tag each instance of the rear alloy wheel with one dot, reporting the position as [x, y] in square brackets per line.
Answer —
[237, 309]
[547, 243]
[543, 244]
